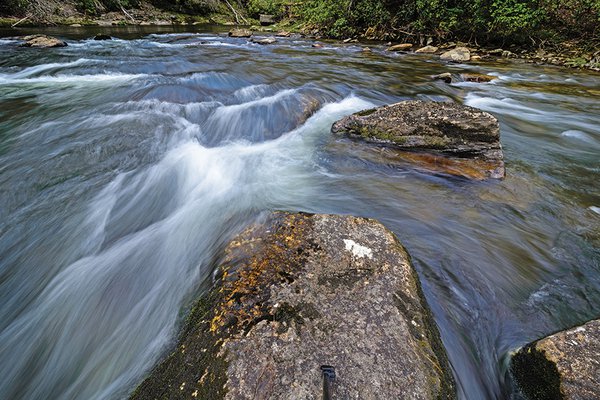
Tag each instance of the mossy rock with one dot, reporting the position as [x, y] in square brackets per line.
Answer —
[561, 366]
[443, 128]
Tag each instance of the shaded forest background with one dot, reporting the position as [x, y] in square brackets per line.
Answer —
[532, 22]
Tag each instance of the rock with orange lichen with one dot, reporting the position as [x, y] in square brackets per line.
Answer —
[297, 291]
[443, 134]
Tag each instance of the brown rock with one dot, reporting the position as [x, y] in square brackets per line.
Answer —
[42, 41]
[283, 34]
[481, 78]
[445, 76]
[298, 291]
[427, 49]
[240, 33]
[565, 365]
[457, 54]
[266, 19]
[400, 47]
[448, 129]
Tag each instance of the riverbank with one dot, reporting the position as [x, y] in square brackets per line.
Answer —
[571, 54]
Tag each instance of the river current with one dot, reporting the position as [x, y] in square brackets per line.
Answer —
[126, 165]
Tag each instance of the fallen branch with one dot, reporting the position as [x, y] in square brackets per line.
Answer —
[18, 22]
[235, 14]
[127, 14]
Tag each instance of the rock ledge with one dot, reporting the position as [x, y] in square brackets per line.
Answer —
[298, 291]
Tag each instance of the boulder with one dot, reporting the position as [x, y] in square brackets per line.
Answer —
[297, 292]
[102, 36]
[269, 40]
[283, 34]
[457, 54]
[447, 129]
[427, 49]
[42, 41]
[565, 365]
[400, 47]
[481, 78]
[240, 33]
[266, 19]
[445, 76]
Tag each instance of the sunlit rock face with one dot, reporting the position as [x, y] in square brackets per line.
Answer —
[297, 291]
[468, 138]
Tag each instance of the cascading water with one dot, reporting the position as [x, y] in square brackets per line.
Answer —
[126, 165]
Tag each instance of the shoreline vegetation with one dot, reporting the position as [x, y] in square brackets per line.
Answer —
[565, 34]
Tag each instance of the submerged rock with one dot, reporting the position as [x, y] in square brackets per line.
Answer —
[240, 33]
[457, 54]
[449, 129]
[565, 365]
[299, 291]
[42, 41]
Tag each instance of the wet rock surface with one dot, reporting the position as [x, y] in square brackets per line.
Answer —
[269, 40]
[469, 136]
[565, 365]
[42, 41]
[298, 291]
[479, 78]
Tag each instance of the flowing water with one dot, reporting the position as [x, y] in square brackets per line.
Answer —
[126, 165]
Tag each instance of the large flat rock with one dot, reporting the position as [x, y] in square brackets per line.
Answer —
[453, 130]
[298, 291]
[565, 365]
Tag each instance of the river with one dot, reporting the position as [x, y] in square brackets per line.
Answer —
[126, 165]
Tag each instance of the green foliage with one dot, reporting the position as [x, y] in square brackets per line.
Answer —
[488, 20]
[201, 7]
[257, 7]
[345, 17]
[13, 7]
[93, 7]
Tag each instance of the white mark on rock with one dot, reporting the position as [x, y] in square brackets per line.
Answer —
[358, 250]
[595, 209]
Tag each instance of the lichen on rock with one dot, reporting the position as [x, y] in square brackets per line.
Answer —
[297, 291]
[463, 133]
